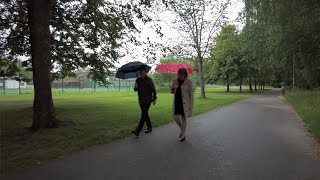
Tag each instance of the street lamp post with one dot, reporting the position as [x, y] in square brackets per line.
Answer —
[62, 85]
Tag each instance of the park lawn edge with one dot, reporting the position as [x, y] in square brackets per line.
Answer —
[14, 167]
[301, 116]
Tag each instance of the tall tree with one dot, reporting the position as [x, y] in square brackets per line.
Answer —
[65, 36]
[39, 21]
[198, 21]
[226, 58]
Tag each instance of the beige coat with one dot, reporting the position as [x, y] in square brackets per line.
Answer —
[187, 96]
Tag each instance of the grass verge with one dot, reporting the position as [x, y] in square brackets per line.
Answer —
[307, 105]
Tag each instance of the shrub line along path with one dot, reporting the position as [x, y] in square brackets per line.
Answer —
[257, 138]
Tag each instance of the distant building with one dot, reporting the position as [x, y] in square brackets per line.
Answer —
[12, 84]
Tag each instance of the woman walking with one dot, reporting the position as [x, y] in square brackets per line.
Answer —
[183, 101]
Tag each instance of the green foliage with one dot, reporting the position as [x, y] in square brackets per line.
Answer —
[14, 69]
[280, 38]
[226, 60]
[7, 68]
[162, 79]
[84, 34]
[283, 36]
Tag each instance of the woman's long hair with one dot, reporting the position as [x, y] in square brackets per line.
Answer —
[183, 71]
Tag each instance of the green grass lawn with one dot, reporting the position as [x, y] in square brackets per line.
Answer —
[307, 105]
[88, 119]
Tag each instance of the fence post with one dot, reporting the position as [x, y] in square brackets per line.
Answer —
[62, 85]
[79, 84]
[119, 84]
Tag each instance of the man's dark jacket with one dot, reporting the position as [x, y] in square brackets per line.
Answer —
[146, 90]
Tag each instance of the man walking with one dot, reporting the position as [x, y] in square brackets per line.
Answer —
[147, 95]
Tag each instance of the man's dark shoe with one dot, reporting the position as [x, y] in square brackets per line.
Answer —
[135, 133]
[148, 130]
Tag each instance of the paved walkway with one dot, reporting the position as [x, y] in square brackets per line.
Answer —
[257, 138]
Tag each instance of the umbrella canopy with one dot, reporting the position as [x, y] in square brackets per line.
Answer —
[172, 68]
[131, 70]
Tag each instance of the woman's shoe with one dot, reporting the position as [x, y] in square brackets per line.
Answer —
[180, 135]
[182, 138]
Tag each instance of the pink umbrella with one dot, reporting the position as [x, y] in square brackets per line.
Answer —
[172, 68]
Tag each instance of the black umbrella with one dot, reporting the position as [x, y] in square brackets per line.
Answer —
[131, 70]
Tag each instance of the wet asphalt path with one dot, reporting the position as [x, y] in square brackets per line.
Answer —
[257, 138]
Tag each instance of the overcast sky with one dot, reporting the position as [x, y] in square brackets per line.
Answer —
[135, 53]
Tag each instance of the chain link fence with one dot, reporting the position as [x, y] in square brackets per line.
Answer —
[79, 84]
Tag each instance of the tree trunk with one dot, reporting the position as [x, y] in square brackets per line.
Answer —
[228, 84]
[241, 85]
[39, 20]
[250, 85]
[201, 79]
[255, 84]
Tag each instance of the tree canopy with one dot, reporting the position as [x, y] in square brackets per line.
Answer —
[84, 34]
[64, 36]
[279, 45]
[284, 39]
